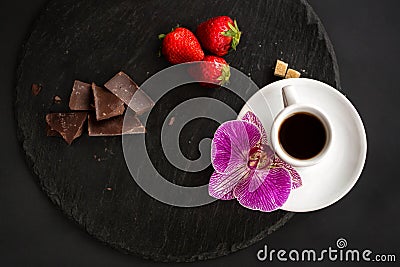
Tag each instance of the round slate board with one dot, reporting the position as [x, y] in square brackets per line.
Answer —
[89, 181]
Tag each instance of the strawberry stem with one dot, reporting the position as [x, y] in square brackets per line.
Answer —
[225, 75]
[233, 32]
[162, 35]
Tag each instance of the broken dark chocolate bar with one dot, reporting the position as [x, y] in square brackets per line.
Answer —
[122, 86]
[128, 91]
[51, 132]
[80, 98]
[106, 104]
[115, 126]
[141, 102]
[68, 125]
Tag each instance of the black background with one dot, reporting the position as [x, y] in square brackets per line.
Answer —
[366, 38]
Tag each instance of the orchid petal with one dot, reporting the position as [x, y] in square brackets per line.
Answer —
[252, 118]
[231, 145]
[228, 196]
[264, 190]
[296, 179]
[221, 184]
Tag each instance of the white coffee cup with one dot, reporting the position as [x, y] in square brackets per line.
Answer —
[292, 106]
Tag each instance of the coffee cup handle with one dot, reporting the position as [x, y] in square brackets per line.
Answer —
[289, 95]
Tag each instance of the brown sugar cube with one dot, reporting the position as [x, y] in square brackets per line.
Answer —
[291, 73]
[280, 68]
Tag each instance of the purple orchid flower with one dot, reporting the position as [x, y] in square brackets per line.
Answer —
[247, 169]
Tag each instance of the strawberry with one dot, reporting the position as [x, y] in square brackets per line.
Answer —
[213, 70]
[180, 46]
[218, 34]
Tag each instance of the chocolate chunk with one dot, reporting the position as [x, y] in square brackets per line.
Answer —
[122, 86]
[81, 96]
[57, 99]
[51, 132]
[107, 105]
[141, 102]
[114, 126]
[36, 88]
[68, 125]
[128, 91]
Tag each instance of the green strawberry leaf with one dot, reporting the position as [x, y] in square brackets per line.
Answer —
[233, 32]
[225, 74]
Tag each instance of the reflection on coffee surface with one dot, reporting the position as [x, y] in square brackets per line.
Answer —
[302, 135]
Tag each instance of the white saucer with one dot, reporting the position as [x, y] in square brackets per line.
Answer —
[332, 178]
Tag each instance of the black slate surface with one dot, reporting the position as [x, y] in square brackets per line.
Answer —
[91, 41]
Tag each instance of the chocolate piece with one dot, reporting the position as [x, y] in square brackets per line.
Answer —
[36, 88]
[81, 96]
[106, 104]
[114, 126]
[51, 132]
[68, 125]
[57, 99]
[122, 86]
[128, 91]
[141, 102]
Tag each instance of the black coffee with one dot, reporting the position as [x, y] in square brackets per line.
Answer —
[302, 135]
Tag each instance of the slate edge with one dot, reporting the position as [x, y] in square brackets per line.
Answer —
[22, 138]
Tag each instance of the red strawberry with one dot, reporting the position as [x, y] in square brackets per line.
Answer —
[218, 34]
[180, 46]
[213, 70]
